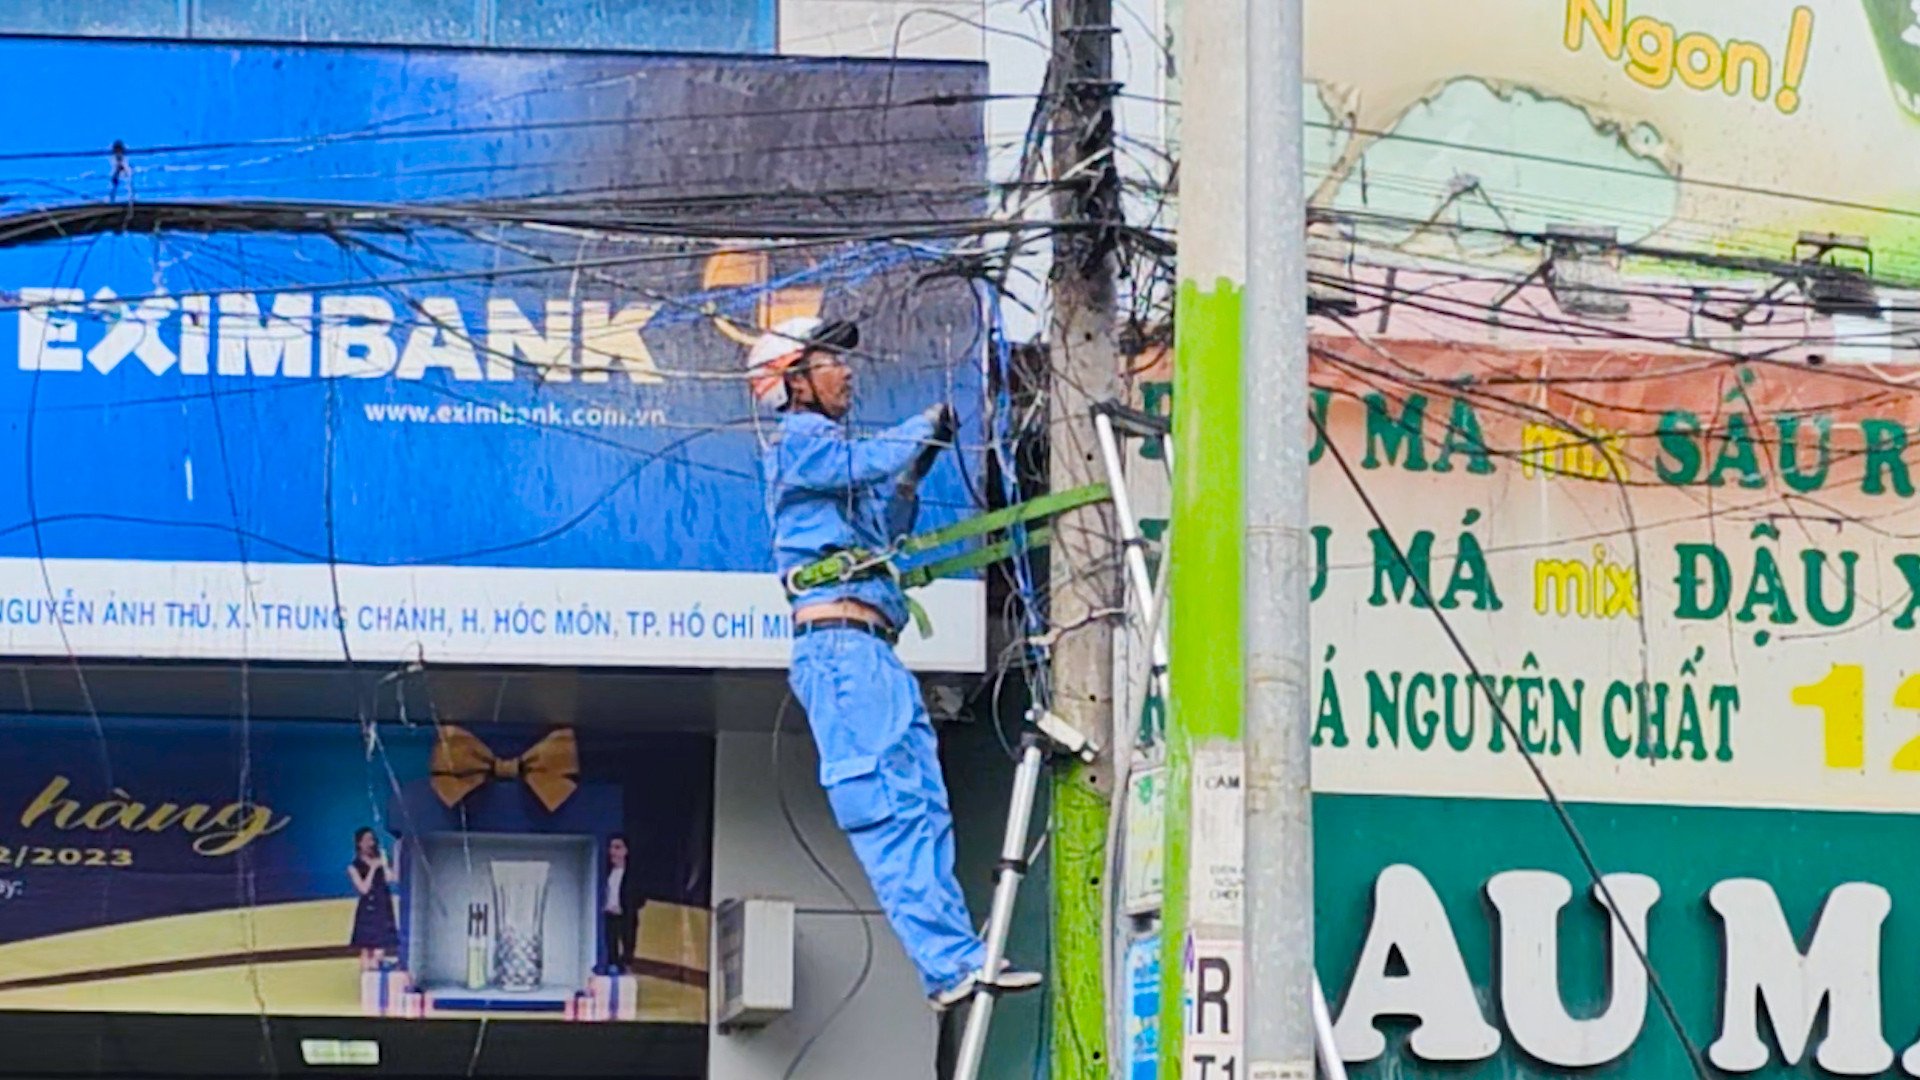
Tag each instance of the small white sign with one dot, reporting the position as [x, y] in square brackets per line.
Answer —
[1144, 866]
[1217, 869]
[317, 1052]
[435, 614]
[1214, 1005]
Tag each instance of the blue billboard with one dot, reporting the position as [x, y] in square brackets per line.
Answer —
[733, 26]
[312, 353]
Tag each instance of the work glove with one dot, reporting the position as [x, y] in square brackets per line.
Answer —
[946, 423]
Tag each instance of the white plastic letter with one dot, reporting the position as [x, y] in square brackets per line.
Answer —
[1529, 903]
[135, 332]
[1436, 991]
[48, 330]
[605, 339]
[196, 333]
[511, 335]
[356, 337]
[281, 343]
[1841, 968]
[439, 340]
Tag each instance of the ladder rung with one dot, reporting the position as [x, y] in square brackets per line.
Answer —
[1132, 421]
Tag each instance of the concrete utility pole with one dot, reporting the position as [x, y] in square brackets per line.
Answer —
[1084, 572]
[1202, 935]
[1279, 780]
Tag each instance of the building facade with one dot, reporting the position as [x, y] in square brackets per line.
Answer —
[1612, 350]
[330, 522]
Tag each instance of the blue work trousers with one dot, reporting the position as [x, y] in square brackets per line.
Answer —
[880, 765]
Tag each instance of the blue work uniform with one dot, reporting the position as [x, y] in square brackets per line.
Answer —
[879, 761]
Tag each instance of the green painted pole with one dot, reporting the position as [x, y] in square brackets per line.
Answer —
[1077, 843]
[1204, 849]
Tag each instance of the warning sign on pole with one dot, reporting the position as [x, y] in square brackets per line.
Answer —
[1218, 839]
[1214, 1000]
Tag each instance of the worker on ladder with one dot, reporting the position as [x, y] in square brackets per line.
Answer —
[879, 762]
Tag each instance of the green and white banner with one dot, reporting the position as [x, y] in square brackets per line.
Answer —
[1690, 615]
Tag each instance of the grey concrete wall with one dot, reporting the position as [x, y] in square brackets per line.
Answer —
[904, 29]
[887, 1031]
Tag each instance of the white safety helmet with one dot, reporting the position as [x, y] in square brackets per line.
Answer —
[773, 354]
[781, 347]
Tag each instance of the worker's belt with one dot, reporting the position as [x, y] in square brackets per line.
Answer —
[814, 626]
[855, 564]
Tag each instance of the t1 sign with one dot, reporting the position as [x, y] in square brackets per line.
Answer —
[1215, 1004]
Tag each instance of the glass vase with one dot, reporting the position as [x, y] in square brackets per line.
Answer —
[520, 909]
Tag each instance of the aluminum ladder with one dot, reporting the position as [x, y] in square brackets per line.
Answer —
[1047, 736]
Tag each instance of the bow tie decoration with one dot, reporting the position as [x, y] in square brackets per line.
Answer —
[462, 764]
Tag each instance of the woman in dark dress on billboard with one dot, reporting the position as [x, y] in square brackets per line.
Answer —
[374, 931]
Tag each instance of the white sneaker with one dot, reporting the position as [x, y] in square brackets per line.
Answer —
[1009, 981]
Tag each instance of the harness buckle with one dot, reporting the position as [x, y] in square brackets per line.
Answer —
[845, 564]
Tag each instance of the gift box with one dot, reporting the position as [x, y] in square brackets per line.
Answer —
[580, 1007]
[384, 993]
[512, 794]
[614, 997]
[413, 1005]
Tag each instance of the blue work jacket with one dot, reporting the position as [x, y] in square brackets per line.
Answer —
[827, 491]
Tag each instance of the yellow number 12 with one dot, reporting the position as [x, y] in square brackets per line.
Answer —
[1841, 699]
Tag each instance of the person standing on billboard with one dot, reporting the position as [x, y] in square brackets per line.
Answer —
[828, 491]
[620, 908]
[375, 932]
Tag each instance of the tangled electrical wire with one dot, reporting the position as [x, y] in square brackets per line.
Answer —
[883, 247]
[886, 244]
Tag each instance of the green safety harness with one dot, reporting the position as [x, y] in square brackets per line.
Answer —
[853, 564]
